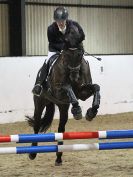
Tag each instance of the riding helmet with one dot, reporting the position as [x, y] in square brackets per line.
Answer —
[60, 13]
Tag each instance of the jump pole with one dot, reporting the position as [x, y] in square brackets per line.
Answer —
[66, 148]
[51, 137]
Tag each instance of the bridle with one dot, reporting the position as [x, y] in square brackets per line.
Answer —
[74, 69]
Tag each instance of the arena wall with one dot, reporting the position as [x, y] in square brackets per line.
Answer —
[114, 75]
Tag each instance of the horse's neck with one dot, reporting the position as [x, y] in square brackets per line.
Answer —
[60, 60]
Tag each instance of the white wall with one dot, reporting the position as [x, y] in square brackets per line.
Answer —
[17, 76]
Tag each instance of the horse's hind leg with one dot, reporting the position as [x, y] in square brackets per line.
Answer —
[36, 125]
[63, 120]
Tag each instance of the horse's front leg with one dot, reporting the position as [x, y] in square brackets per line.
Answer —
[63, 120]
[36, 127]
[76, 109]
[92, 112]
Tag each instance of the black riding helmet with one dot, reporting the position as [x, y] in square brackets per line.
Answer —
[60, 13]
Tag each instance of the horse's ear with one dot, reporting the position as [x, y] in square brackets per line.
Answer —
[76, 29]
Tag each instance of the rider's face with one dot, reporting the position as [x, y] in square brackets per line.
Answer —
[61, 24]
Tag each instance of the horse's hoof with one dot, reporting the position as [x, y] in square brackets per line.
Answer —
[77, 112]
[58, 163]
[91, 114]
[78, 116]
[32, 156]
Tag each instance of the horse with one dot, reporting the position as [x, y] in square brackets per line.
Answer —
[68, 81]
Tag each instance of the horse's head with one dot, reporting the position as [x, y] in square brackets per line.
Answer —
[72, 38]
[73, 54]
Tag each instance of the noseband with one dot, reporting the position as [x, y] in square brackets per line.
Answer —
[74, 69]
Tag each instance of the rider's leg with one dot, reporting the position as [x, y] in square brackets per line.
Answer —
[41, 76]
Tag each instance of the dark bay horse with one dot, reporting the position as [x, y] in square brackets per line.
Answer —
[68, 81]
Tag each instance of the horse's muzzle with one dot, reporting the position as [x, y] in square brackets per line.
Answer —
[74, 73]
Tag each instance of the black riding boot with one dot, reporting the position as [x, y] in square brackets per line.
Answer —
[40, 80]
[40, 83]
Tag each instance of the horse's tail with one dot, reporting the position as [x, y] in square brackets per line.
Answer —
[30, 120]
[46, 121]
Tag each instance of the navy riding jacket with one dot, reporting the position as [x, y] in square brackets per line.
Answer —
[56, 38]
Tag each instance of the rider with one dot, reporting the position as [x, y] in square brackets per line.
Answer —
[56, 34]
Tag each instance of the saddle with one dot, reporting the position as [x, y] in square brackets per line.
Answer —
[53, 59]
